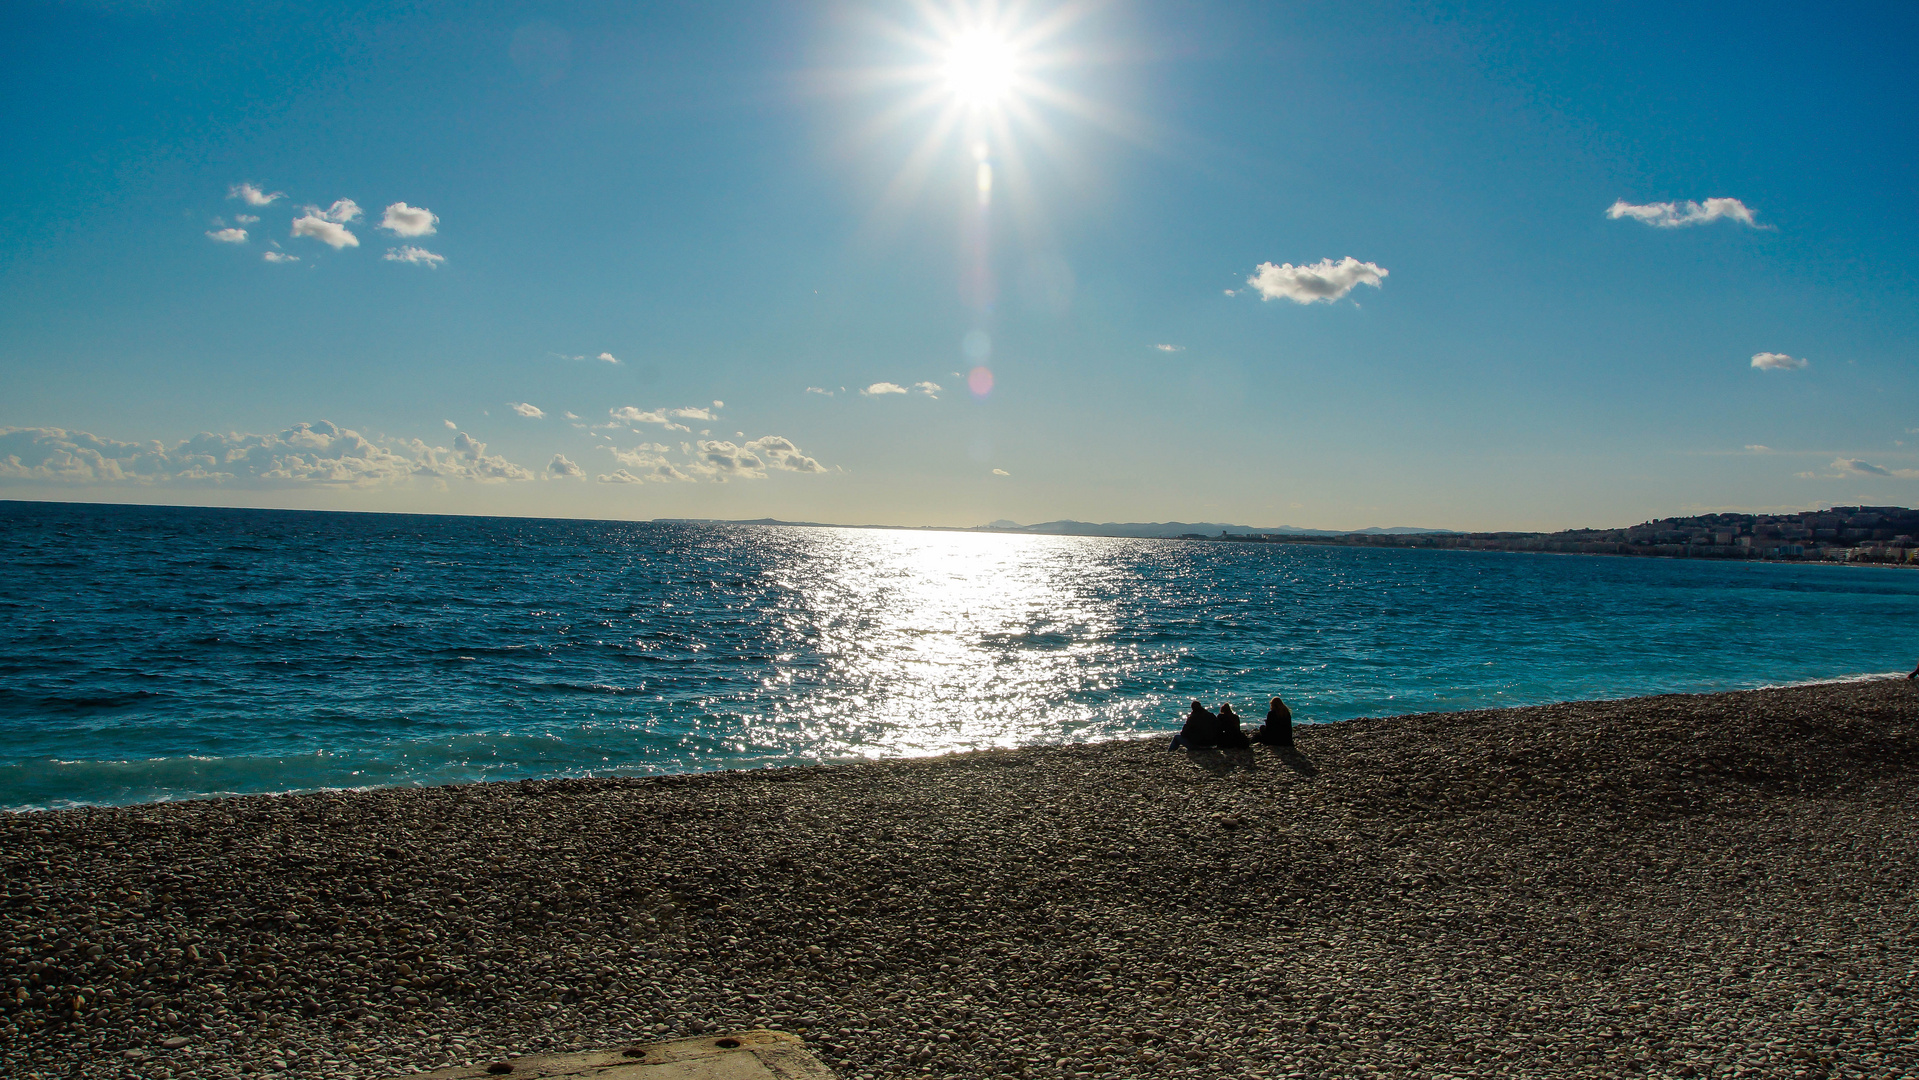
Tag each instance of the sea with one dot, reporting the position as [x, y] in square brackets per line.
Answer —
[160, 653]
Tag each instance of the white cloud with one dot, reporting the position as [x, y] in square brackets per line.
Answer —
[403, 220]
[278, 257]
[228, 236]
[330, 233]
[342, 211]
[252, 195]
[1323, 281]
[931, 390]
[880, 388]
[1776, 361]
[571, 416]
[415, 255]
[1759, 448]
[781, 454]
[718, 460]
[1855, 467]
[1001, 472]
[450, 425]
[620, 476]
[1180, 348]
[319, 453]
[1674, 215]
[531, 412]
[665, 417]
[560, 466]
[819, 390]
[608, 357]
[246, 219]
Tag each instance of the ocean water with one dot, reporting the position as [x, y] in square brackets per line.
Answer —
[151, 653]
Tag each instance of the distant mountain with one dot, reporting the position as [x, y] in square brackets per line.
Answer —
[1162, 529]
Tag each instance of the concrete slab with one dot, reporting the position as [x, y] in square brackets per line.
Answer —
[746, 1055]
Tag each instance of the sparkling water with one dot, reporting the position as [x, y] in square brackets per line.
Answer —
[152, 653]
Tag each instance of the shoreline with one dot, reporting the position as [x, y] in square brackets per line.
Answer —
[1165, 733]
[1687, 885]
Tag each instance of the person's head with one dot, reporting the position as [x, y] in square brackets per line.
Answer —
[1197, 707]
[1226, 708]
[1278, 704]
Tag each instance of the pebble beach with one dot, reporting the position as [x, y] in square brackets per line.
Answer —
[1700, 885]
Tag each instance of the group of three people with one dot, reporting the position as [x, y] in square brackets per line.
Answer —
[1207, 729]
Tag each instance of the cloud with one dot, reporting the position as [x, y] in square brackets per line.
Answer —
[403, 220]
[1776, 361]
[1855, 467]
[1674, 215]
[571, 416]
[246, 219]
[1180, 348]
[330, 233]
[253, 196]
[665, 417]
[228, 236]
[342, 211]
[931, 390]
[450, 425]
[560, 466]
[319, 453]
[278, 257]
[608, 357]
[531, 412]
[1001, 472]
[819, 390]
[1323, 281]
[1759, 448]
[718, 460]
[415, 255]
[880, 388]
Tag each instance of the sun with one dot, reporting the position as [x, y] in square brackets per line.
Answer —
[981, 69]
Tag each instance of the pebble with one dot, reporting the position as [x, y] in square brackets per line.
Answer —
[1674, 886]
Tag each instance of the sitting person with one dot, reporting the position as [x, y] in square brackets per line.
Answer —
[1278, 728]
[1201, 730]
[1230, 737]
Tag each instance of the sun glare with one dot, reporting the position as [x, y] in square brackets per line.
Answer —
[980, 69]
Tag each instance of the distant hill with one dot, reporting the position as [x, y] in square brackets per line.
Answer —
[1161, 529]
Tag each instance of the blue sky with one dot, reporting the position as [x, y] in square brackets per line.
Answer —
[737, 203]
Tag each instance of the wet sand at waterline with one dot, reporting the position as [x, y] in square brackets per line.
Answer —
[1666, 886]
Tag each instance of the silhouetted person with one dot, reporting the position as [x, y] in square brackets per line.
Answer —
[1914, 675]
[1201, 730]
[1230, 736]
[1278, 729]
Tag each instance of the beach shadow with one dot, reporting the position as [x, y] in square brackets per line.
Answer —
[1298, 762]
[1222, 762]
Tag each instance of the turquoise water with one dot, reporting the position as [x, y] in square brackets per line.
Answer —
[161, 653]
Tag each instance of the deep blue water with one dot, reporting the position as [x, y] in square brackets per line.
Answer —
[157, 653]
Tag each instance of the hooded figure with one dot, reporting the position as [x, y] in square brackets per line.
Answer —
[1230, 737]
[1201, 730]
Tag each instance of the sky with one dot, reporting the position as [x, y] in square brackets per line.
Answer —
[1332, 266]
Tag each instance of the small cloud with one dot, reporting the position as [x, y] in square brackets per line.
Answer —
[403, 220]
[1860, 468]
[819, 390]
[931, 390]
[246, 219]
[880, 388]
[1776, 361]
[414, 255]
[531, 412]
[1758, 448]
[253, 196]
[1001, 472]
[1675, 215]
[718, 404]
[560, 466]
[1231, 292]
[228, 236]
[570, 416]
[342, 211]
[1322, 282]
[607, 357]
[667, 418]
[450, 425]
[1180, 348]
[330, 233]
[279, 257]
[619, 476]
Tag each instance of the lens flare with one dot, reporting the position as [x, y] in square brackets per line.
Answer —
[980, 381]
